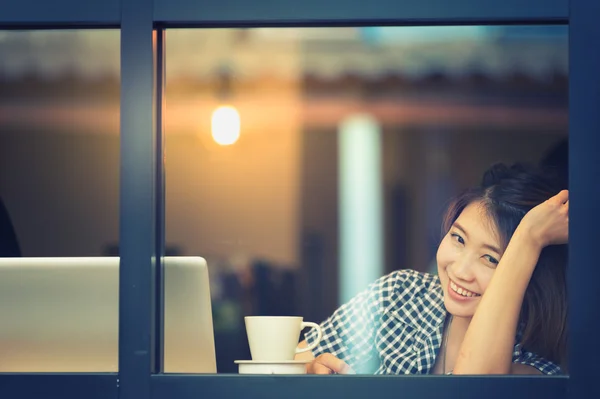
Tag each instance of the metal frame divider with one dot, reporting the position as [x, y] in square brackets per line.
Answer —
[159, 62]
[584, 165]
[138, 228]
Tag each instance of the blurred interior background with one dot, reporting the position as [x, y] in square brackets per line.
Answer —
[301, 163]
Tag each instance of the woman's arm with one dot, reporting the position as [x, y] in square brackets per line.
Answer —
[488, 344]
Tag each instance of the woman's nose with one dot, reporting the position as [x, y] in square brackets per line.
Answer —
[463, 268]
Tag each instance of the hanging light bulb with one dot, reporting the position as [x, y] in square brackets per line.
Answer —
[225, 125]
[225, 120]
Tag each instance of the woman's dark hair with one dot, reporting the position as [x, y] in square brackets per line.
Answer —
[507, 194]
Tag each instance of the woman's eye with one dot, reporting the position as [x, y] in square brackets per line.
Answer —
[491, 259]
[457, 238]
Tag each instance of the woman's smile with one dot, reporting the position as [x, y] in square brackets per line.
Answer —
[459, 293]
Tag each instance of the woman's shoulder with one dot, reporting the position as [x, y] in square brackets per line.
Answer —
[408, 278]
[527, 358]
[405, 283]
[411, 298]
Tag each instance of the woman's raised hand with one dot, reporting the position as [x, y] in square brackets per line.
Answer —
[548, 222]
[328, 364]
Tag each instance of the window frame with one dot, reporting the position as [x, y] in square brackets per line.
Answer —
[142, 24]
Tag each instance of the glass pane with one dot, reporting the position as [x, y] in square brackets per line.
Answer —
[59, 190]
[304, 164]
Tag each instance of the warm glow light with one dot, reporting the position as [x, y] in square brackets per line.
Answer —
[225, 125]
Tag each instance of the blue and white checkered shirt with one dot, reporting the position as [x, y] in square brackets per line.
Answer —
[395, 327]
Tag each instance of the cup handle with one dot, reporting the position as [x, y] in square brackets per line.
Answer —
[319, 336]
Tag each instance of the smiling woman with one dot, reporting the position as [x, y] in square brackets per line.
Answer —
[481, 221]
[498, 305]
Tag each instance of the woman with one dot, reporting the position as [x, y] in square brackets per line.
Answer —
[497, 306]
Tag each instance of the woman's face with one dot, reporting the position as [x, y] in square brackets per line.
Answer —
[466, 259]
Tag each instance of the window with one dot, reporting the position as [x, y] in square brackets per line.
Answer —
[136, 18]
[59, 140]
[59, 183]
[273, 193]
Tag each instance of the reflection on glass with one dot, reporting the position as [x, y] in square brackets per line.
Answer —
[265, 211]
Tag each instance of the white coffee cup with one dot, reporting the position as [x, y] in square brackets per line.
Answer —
[275, 338]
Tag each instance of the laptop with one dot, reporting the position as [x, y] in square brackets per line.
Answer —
[62, 315]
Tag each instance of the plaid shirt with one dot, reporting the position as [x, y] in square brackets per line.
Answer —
[395, 327]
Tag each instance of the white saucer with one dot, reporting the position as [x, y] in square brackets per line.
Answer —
[272, 366]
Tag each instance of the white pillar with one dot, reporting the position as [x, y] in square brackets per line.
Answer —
[360, 204]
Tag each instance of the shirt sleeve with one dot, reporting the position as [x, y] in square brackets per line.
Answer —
[522, 356]
[349, 334]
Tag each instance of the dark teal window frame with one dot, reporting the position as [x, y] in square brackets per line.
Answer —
[142, 24]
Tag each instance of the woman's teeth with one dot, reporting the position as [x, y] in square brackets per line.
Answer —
[462, 291]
